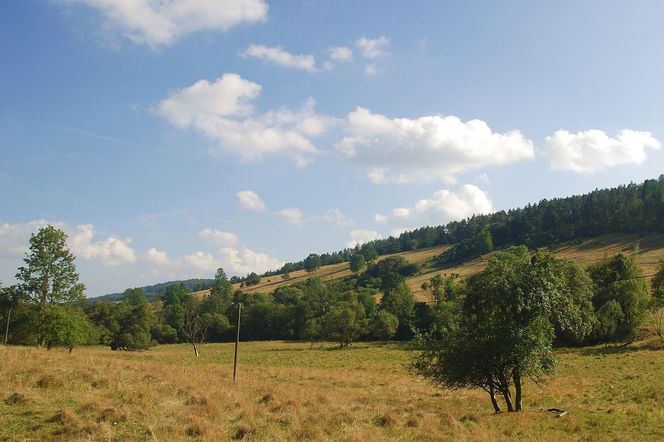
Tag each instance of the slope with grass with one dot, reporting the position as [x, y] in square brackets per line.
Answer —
[649, 250]
[286, 391]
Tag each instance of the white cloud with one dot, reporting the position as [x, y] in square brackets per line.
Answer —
[251, 201]
[373, 47]
[336, 216]
[204, 262]
[292, 215]
[362, 236]
[281, 57]
[593, 150]
[442, 207]
[14, 237]
[229, 95]
[219, 237]
[236, 260]
[109, 252]
[429, 147]
[157, 257]
[244, 261]
[341, 53]
[370, 69]
[158, 23]
[222, 111]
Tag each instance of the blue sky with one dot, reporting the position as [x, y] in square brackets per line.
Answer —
[169, 138]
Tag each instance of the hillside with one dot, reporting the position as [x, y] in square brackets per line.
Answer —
[650, 251]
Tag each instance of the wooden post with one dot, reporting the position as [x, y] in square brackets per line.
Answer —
[9, 315]
[237, 340]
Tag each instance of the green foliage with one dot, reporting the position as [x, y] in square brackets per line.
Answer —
[217, 326]
[65, 327]
[312, 263]
[619, 279]
[344, 323]
[252, 279]
[384, 325]
[369, 252]
[49, 276]
[133, 321]
[657, 286]
[505, 331]
[311, 331]
[357, 263]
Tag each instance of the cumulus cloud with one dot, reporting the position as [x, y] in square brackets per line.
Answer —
[222, 111]
[593, 150]
[157, 257]
[251, 201]
[14, 237]
[243, 261]
[429, 147]
[238, 259]
[341, 53]
[281, 57]
[442, 207]
[336, 216]
[219, 237]
[109, 252]
[229, 95]
[204, 262]
[362, 236]
[372, 48]
[292, 215]
[160, 23]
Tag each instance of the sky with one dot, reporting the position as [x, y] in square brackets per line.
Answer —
[168, 138]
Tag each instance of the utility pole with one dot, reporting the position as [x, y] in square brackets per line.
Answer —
[237, 340]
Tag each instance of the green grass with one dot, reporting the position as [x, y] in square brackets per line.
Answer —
[286, 391]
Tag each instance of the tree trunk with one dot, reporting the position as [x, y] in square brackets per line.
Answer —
[508, 399]
[9, 316]
[516, 376]
[494, 402]
[196, 351]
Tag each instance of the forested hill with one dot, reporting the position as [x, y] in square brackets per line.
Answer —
[153, 292]
[627, 209]
[632, 208]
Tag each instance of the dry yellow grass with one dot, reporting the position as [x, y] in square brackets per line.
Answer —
[288, 392]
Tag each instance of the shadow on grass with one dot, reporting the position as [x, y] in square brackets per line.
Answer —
[610, 350]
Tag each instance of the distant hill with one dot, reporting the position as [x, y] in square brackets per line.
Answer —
[153, 292]
[628, 218]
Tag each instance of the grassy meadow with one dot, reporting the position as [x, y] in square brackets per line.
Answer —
[286, 391]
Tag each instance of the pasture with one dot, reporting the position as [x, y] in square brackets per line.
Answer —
[287, 391]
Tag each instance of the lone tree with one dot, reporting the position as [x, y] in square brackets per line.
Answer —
[506, 328]
[194, 326]
[49, 276]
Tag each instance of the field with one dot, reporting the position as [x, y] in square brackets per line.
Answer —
[650, 251]
[286, 391]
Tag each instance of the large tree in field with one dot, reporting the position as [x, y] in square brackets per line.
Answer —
[49, 276]
[506, 329]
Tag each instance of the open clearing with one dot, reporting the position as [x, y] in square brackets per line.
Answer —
[651, 250]
[286, 391]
